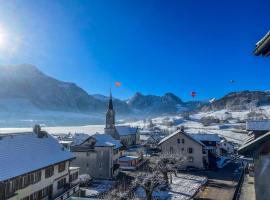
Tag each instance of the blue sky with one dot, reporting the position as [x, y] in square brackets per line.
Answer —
[152, 46]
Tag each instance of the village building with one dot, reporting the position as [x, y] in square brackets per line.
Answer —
[257, 147]
[130, 162]
[129, 136]
[35, 166]
[182, 144]
[97, 155]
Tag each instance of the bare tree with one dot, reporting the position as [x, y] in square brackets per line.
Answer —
[169, 163]
[119, 194]
[149, 182]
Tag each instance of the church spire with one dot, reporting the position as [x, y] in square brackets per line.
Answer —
[110, 107]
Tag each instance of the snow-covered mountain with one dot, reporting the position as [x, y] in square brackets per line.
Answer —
[243, 100]
[30, 89]
[29, 95]
[152, 104]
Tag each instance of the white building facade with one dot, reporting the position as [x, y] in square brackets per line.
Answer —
[34, 166]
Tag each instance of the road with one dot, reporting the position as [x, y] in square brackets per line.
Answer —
[221, 184]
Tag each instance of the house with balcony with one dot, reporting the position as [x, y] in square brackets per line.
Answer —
[34, 166]
[256, 150]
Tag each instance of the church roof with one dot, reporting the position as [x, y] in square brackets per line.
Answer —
[126, 130]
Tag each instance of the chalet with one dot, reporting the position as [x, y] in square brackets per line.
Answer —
[97, 155]
[34, 166]
[257, 147]
[183, 144]
[211, 142]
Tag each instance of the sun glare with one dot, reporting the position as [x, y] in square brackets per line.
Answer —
[3, 37]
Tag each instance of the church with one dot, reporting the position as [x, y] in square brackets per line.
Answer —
[129, 136]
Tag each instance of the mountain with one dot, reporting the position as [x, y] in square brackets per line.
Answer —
[243, 100]
[32, 90]
[27, 83]
[151, 104]
[29, 95]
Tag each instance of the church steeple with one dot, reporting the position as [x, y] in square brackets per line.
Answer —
[110, 119]
[110, 107]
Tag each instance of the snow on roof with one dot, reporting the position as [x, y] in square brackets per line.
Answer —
[102, 140]
[128, 158]
[182, 132]
[126, 130]
[258, 125]
[249, 149]
[25, 152]
[58, 130]
[107, 140]
[206, 137]
[79, 138]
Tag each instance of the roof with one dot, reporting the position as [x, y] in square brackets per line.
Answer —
[80, 138]
[250, 148]
[258, 125]
[107, 140]
[25, 152]
[58, 130]
[126, 130]
[263, 46]
[102, 140]
[206, 137]
[182, 132]
[128, 158]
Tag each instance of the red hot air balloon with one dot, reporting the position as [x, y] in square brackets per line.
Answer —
[193, 94]
[118, 84]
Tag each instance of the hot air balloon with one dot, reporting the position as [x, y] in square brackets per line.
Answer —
[118, 84]
[232, 81]
[193, 94]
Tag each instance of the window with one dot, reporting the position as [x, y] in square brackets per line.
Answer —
[100, 165]
[178, 141]
[190, 159]
[61, 183]
[183, 141]
[190, 150]
[49, 171]
[171, 150]
[182, 149]
[61, 166]
[74, 176]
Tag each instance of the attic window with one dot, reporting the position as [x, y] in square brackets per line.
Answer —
[183, 141]
[178, 141]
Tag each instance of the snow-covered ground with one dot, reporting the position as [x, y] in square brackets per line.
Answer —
[183, 187]
[98, 188]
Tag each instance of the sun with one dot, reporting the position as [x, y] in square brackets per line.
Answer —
[3, 37]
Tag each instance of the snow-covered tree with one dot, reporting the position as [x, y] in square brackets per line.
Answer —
[84, 180]
[119, 194]
[149, 182]
[169, 163]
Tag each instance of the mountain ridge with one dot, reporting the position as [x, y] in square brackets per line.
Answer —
[30, 87]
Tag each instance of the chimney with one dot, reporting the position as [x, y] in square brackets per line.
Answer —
[37, 130]
[182, 128]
